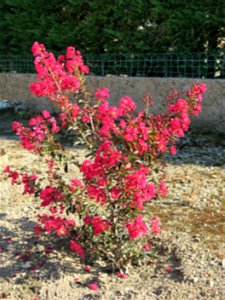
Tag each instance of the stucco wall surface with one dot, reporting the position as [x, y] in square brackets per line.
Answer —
[15, 88]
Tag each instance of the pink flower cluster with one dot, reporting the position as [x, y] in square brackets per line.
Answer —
[41, 129]
[106, 158]
[57, 76]
[155, 225]
[14, 175]
[137, 228]
[102, 94]
[138, 189]
[99, 225]
[54, 224]
[50, 194]
[29, 181]
[74, 246]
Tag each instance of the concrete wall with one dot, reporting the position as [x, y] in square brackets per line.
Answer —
[15, 87]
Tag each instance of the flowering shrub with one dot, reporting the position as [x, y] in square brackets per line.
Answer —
[107, 213]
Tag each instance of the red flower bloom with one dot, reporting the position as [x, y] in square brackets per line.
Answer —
[93, 286]
[102, 94]
[74, 246]
[121, 275]
[155, 225]
[137, 228]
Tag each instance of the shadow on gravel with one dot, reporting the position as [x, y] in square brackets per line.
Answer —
[25, 256]
[205, 149]
[27, 259]
[2, 216]
[176, 274]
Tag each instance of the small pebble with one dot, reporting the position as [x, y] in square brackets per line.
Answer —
[223, 262]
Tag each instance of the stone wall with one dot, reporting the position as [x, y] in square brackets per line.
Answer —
[15, 87]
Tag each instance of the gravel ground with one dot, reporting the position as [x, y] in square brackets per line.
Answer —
[189, 264]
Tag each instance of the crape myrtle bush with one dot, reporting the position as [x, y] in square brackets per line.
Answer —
[107, 213]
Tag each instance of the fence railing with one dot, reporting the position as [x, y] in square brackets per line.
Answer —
[186, 65]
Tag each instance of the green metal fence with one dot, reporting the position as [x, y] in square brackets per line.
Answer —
[186, 65]
[16, 64]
